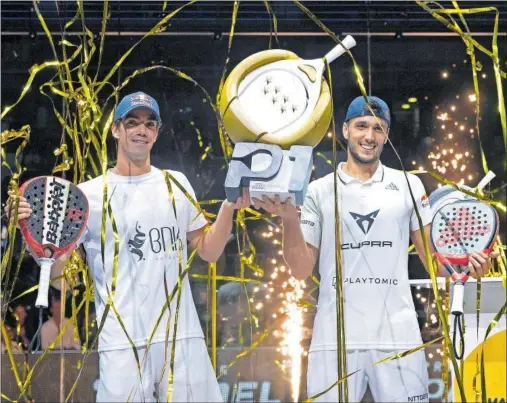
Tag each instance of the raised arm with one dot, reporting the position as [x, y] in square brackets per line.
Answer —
[210, 240]
[299, 255]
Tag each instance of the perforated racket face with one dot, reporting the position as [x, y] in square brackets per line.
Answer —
[59, 215]
[463, 227]
[274, 99]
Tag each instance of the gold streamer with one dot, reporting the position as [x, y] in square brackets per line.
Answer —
[493, 54]
[227, 278]
[212, 270]
[477, 317]
[491, 326]
[337, 383]
[245, 352]
[447, 347]
[159, 27]
[432, 270]
[8, 136]
[8, 293]
[341, 347]
[6, 398]
[224, 140]
[26, 383]
[86, 101]
[33, 72]
[67, 161]
[471, 52]
[500, 206]
[8, 344]
[168, 179]
[273, 24]
[390, 358]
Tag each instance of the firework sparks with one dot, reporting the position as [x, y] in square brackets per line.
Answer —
[293, 334]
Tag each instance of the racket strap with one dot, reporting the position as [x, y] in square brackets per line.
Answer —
[458, 329]
[35, 344]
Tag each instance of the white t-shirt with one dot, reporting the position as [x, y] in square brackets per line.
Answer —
[376, 219]
[148, 248]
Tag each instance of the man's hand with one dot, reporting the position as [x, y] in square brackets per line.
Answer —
[243, 201]
[480, 264]
[24, 209]
[210, 241]
[285, 210]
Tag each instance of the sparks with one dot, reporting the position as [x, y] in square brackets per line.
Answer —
[293, 334]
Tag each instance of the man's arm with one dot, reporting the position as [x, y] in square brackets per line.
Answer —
[417, 240]
[59, 264]
[299, 255]
[210, 240]
[479, 263]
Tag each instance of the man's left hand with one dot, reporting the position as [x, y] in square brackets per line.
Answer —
[480, 264]
[242, 201]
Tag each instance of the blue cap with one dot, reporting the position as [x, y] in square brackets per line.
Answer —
[358, 107]
[134, 101]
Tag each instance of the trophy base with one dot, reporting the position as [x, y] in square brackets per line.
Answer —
[279, 185]
[267, 170]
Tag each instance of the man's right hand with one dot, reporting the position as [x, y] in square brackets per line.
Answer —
[286, 211]
[24, 208]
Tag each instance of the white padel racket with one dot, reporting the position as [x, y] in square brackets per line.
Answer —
[278, 97]
[58, 219]
[457, 230]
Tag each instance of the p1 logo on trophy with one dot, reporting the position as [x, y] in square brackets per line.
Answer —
[269, 171]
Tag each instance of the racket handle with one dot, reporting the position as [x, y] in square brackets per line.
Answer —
[349, 42]
[45, 273]
[488, 178]
[457, 298]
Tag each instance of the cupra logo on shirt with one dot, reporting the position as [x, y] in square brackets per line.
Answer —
[365, 222]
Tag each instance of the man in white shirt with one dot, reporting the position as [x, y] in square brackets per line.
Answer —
[378, 219]
[153, 235]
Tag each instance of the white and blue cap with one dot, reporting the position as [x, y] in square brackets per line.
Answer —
[358, 107]
[134, 101]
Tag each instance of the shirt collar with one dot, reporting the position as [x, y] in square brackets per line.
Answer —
[345, 178]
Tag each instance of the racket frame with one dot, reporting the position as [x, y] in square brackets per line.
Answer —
[449, 261]
[47, 253]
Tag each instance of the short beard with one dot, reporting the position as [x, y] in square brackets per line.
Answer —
[362, 161]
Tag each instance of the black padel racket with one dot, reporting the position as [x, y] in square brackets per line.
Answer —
[457, 230]
[58, 219]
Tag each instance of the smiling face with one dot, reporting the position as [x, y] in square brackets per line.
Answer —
[136, 133]
[366, 136]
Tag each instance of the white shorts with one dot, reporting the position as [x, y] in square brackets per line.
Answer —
[401, 380]
[194, 378]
